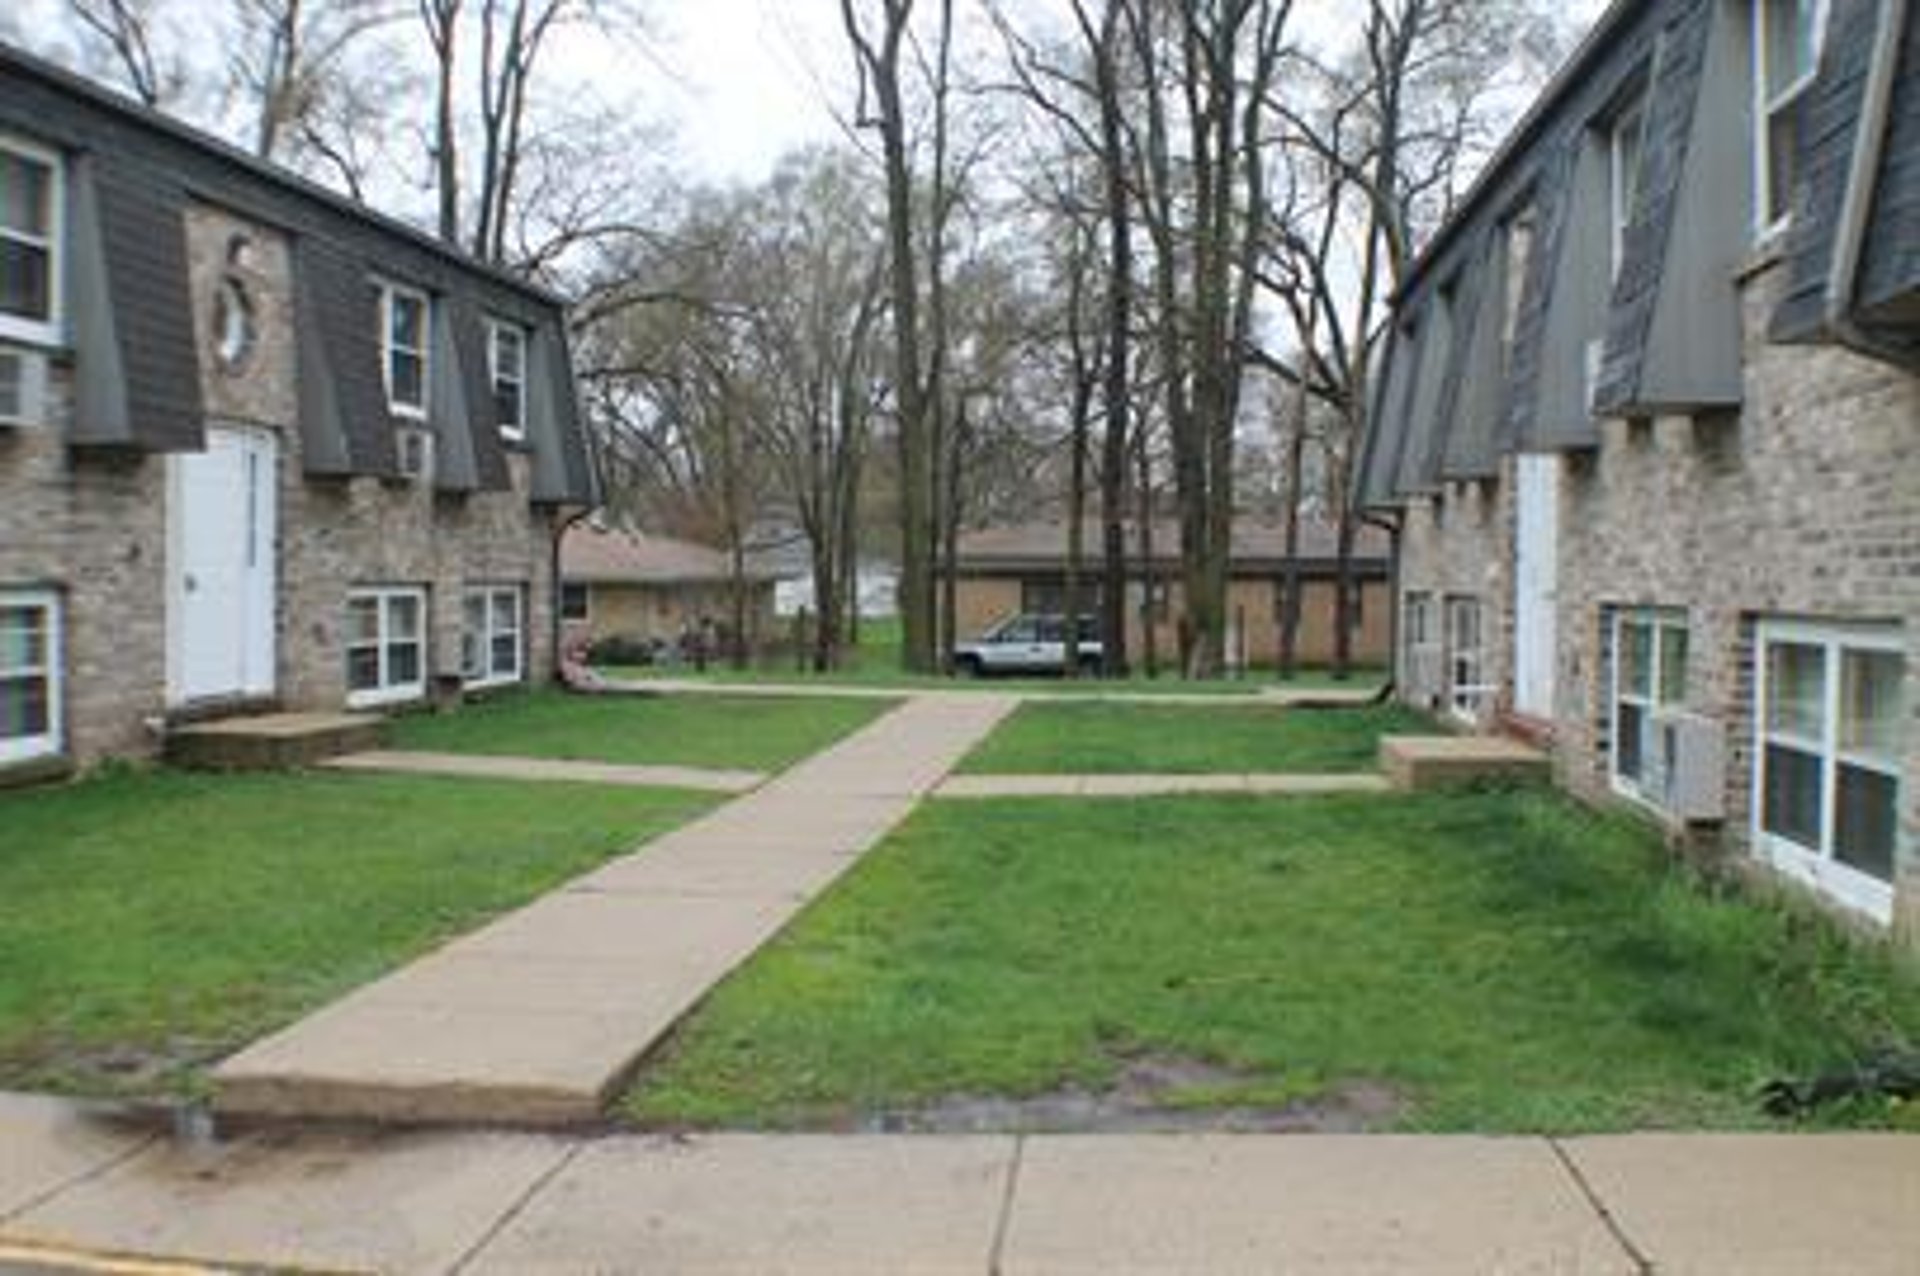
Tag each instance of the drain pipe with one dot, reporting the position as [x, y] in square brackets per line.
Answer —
[556, 588]
[1863, 175]
[1391, 526]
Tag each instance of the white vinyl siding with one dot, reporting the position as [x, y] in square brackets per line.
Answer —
[1827, 772]
[492, 636]
[31, 231]
[30, 675]
[1649, 674]
[406, 322]
[1786, 53]
[386, 645]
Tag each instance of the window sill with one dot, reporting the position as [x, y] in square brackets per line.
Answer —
[386, 696]
[40, 768]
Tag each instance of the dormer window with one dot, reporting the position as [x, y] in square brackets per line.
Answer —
[1786, 53]
[29, 242]
[1625, 138]
[405, 325]
[507, 373]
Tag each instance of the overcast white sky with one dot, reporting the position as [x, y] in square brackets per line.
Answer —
[743, 81]
[739, 82]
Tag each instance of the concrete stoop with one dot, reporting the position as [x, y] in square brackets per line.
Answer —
[271, 742]
[1415, 762]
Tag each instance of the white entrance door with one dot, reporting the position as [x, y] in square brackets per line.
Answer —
[1535, 578]
[221, 522]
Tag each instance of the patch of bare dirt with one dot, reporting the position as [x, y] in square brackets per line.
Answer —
[1154, 1094]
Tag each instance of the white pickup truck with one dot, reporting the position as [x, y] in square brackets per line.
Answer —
[1027, 643]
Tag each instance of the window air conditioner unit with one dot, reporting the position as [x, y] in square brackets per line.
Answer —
[23, 389]
[1686, 767]
[415, 449]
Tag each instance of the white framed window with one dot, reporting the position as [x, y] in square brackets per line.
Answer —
[386, 645]
[576, 602]
[406, 321]
[1787, 35]
[31, 680]
[492, 636]
[1467, 689]
[31, 233]
[1649, 674]
[507, 373]
[1827, 737]
[1626, 138]
[1517, 236]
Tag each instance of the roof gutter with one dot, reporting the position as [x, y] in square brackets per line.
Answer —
[1863, 175]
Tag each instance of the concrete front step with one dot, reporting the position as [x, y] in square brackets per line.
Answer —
[272, 741]
[1433, 761]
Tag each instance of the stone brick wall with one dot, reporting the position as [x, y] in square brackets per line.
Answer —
[1252, 601]
[93, 525]
[337, 534]
[1805, 504]
[1459, 543]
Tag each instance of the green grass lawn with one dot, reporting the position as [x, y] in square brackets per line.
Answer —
[752, 732]
[153, 921]
[1108, 738]
[1495, 961]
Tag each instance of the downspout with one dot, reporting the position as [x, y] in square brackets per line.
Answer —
[556, 587]
[1863, 175]
[1391, 526]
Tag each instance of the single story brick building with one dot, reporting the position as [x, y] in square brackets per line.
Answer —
[642, 587]
[259, 446]
[1022, 568]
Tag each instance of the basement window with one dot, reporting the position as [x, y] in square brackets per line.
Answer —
[30, 675]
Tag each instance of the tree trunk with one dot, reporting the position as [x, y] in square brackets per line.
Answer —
[1149, 570]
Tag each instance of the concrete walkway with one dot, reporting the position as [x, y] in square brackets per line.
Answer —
[1113, 1205]
[539, 1017]
[1263, 694]
[975, 786]
[498, 767]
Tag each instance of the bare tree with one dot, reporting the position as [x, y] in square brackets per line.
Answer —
[1383, 146]
[122, 34]
[914, 260]
[441, 21]
[1207, 69]
[288, 60]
